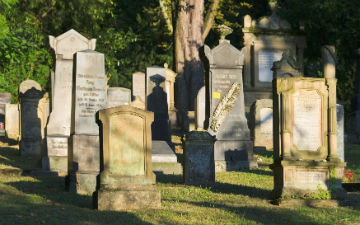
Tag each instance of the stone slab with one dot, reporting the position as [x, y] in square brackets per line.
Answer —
[200, 108]
[263, 124]
[57, 146]
[340, 131]
[138, 85]
[117, 96]
[12, 124]
[55, 163]
[162, 152]
[82, 183]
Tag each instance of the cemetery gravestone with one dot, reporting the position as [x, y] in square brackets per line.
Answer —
[126, 181]
[58, 128]
[117, 96]
[200, 108]
[12, 124]
[5, 98]
[263, 125]
[89, 96]
[170, 90]
[138, 85]
[340, 131]
[233, 148]
[266, 40]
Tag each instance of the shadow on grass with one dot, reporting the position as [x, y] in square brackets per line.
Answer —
[259, 172]
[237, 189]
[168, 178]
[10, 156]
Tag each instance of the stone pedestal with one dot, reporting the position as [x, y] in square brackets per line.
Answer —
[56, 155]
[199, 166]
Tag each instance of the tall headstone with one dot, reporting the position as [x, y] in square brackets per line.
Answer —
[266, 40]
[126, 180]
[156, 101]
[117, 96]
[12, 123]
[263, 125]
[233, 148]
[340, 131]
[5, 98]
[170, 90]
[305, 139]
[138, 85]
[200, 108]
[58, 128]
[89, 96]
[33, 118]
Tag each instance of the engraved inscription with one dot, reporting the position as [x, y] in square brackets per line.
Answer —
[307, 120]
[57, 146]
[310, 177]
[266, 58]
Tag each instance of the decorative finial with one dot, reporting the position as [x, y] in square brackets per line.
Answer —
[223, 31]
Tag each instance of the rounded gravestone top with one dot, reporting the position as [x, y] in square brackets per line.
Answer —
[27, 85]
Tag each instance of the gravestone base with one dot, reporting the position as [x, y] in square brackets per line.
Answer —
[128, 197]
[307, 178]
[55, 163]
[31, 148]
[81, 183]
[164, 160]
[233, 155]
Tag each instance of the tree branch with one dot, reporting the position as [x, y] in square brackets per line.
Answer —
[209, 19]
[164, 10]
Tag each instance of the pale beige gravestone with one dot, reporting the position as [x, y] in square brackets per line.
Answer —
[305, 128]
[58, 128]
[170, 90]
[33, 118]
[138, 103]
[5, 98]
[127, 180]
[138, 85]
[117, 96]
[265, 40]
[200, 108]
[12, 124]
[263, 126]
[89, 96]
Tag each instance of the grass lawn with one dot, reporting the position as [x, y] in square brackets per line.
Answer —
[237, 198]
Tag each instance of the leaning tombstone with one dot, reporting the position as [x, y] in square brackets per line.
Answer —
[305, 151]
[5, 98]
[89, 96]
[265, 40]
[12, 122]
[263, 124]
[33, 118]
[117, 96]
[126, 181]
[199, 165]
[138, 85]
[58, 128]
[233, 148]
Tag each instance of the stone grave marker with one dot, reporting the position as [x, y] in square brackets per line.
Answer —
[58, 128]
[340, 131]
[117, 96]
[200, 108]
[233, 147]
[12, 123]
[5, 98]
[263, 126]
[138, 85]
[126, 180]
[89, 96]
[170, 90]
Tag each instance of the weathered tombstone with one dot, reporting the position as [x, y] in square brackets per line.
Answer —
[126, 180]
[200, 109]
[117, 96]
[58, 128]
[89, 96]
[138, 85]
[233, 148]
[156, 101]
[199, 165]
[265, 40]
[5, 98]
[12, 123]
[33, 118]
[340, 131]
[263, 125]
[170, 90]
[305, 149]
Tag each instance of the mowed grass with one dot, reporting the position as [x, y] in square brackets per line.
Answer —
[236, 198]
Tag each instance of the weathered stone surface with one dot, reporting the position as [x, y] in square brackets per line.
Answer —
[5, 98]
[199, 165]
[138, 103]
[156, 101]
[164, 159]
[138, 85]
[340, 131]
[200, 109]
[126, 181]
[12, 119]
[117, 96]
[56, 154]
[263, 124]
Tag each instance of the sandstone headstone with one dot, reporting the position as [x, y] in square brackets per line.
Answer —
[138, 85]
[89, 96]
[233, 148]
[126, 181]
[33, 118]
[200, 108]
[263, 125]
[58, 128]
[156, 101]
[138, 103]
[117, 96]
[12, 125]
[199, 165]
[5, 98]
